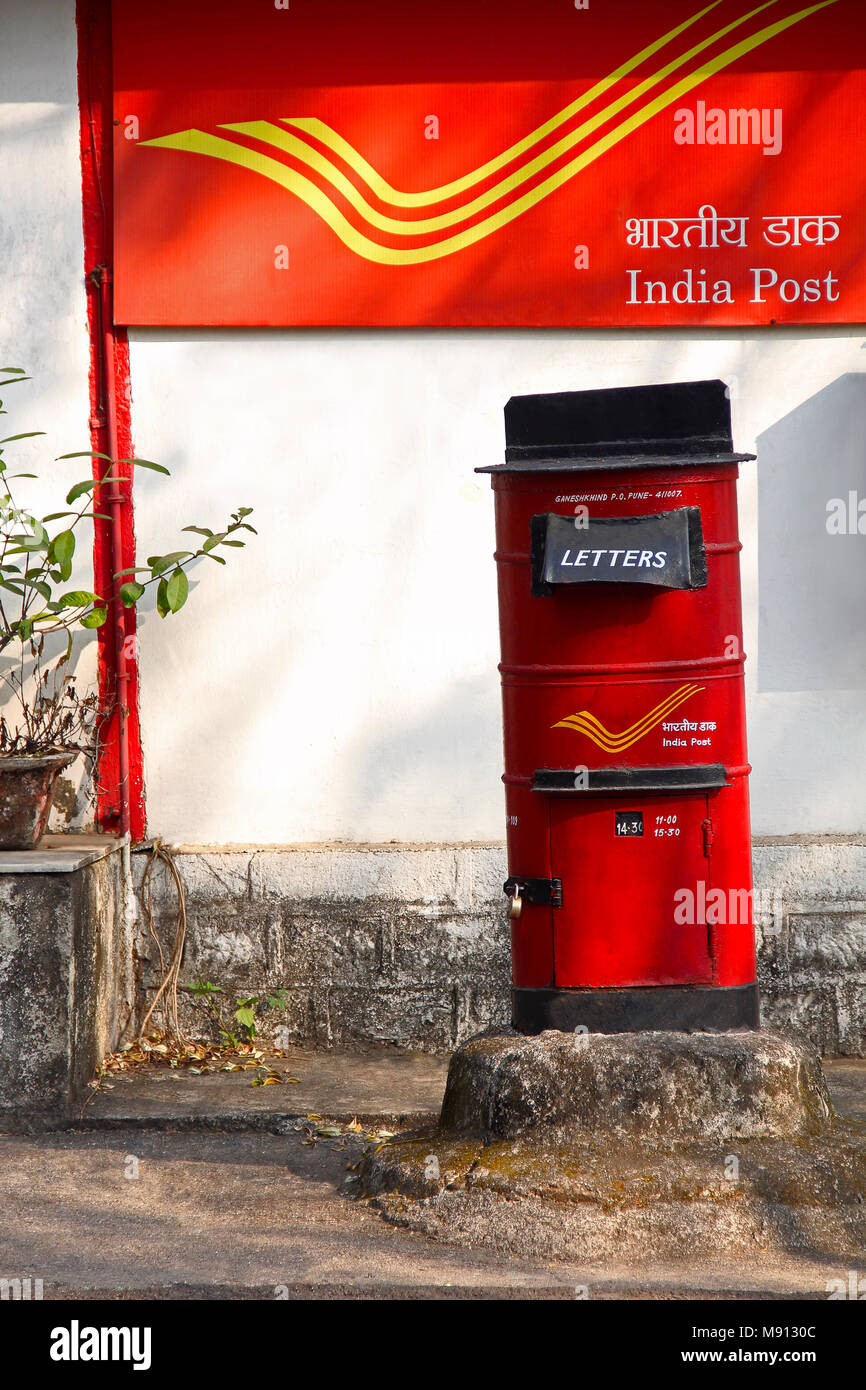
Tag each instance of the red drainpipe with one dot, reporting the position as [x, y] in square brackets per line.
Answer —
[110, 493]
[120, 791]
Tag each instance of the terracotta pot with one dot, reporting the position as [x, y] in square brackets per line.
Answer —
[26, 793]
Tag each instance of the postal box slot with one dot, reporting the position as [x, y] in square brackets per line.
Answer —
[665, 549]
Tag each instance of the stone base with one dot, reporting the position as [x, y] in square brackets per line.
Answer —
[672, 1085]
[602, 1147]
[66, 972]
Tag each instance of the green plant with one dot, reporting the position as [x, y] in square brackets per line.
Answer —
[205, 990]
[246, 1010]
[245, 1013]
[36, 556]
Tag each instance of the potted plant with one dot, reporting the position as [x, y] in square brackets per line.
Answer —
[46, 722]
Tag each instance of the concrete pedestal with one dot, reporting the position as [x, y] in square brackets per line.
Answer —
[66, 986]
[606, 1146]
[665, 1086]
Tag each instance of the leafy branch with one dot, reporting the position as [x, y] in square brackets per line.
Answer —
[168, 572]
[36, 559]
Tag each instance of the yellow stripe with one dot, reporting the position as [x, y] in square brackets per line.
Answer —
[584, 722]
[199, 142]
[661, 709]
[270, 134]
[616, 743]
[388, 194]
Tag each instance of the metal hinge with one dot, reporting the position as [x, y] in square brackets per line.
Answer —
[708, 836]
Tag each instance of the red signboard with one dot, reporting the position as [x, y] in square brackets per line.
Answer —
[613, 162]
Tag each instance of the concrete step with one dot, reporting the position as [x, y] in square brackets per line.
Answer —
[846, 1082]
[379, 1087]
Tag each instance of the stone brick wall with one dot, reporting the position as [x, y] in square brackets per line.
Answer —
[811, 919]
[409, 944]
[374, 944]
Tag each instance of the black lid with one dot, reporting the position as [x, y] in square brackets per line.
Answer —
[679, 423]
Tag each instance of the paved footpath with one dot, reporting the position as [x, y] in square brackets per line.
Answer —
[170, 1193]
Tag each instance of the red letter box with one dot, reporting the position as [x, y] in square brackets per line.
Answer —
[622, 681]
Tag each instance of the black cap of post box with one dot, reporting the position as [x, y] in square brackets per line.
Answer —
[680, 423]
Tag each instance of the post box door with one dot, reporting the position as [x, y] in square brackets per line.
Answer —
[622, 858]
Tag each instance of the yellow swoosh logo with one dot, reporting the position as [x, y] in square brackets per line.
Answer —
[200, 142]
[585, 723]
[270, 134]
[400, 198]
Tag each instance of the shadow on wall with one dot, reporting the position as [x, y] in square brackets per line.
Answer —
[811, 557]
[448, 746]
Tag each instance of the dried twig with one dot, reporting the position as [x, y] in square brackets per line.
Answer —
[50, 715]
[171, 973]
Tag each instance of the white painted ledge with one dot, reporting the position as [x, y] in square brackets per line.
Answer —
[59, 854]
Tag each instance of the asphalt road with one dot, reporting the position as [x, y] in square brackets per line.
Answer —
[126, 1211]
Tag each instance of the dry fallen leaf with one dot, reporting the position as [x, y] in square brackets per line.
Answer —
[197, 1058]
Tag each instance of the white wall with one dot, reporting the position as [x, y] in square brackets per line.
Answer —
[43, 311]
[337, 680]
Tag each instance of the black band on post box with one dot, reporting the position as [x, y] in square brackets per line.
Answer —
[683, 1008]
[678, 777]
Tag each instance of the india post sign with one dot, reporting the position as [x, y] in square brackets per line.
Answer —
[559, 162]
